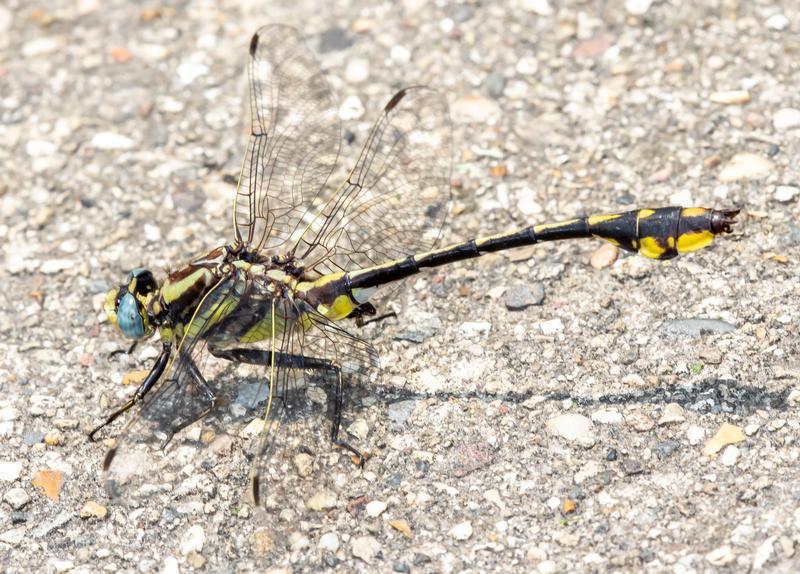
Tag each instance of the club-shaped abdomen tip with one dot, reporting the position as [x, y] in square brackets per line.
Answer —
[723, 220]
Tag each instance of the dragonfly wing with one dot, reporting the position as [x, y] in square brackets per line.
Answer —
[294, 138]
[321, 370]
[395, 200]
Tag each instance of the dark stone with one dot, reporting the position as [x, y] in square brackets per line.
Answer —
[665, 448]
[520, 296]
[334, 39]
[632, 467]
[495, 84]
[612, 455]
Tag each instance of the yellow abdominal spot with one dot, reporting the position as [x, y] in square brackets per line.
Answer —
[341, 308]
[645, 213]
[651, 248]
[611, 240]
[595, 219]
[693, 212]
[693, 241]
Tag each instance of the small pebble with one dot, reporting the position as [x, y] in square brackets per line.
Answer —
[637, 7]
[54, 438]
[786, 119]
[521, 296]
[727, 434]
[351, 108]
[401, 526]
[329, 542]
[673, 413]
[786, 193]
[607, 417]
[640, 422]
[357, 70]
[777, 22]
[461, 531]
[475, 108]
[322, 500]
[365, 548]
[730, 455]
[695, 434]
[262, 541]
[50, 482]
[17, 498]
[539, 7]
[10, 471]
[721, 556]
[304, 463]
[111, 141]
[604, 256]
[375, 508]
[193, 540]
[93, 510]
[731, 97]
[572, 427]
[745, 166]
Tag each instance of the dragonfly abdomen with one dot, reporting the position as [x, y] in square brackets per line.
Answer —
[660, 233]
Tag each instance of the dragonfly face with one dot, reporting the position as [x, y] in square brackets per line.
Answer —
[126, 305]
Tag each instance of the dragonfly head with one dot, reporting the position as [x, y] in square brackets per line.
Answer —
[126, 305]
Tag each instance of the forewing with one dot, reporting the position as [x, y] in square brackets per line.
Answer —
[395, 199]
[294, 139]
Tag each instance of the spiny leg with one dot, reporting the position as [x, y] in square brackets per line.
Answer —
[152, 377]
[264, 357]
[368, 310]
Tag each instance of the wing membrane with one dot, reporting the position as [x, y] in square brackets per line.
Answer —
[395, 199]
[294, 139]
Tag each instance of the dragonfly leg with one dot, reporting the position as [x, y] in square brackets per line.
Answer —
[263, 357]
[152, 377]
[367, 309]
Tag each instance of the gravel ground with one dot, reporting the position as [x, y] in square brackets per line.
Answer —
[535, 413]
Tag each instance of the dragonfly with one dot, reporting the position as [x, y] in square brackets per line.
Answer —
[307, 256]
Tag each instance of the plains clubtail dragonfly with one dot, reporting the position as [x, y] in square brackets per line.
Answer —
[305, 256]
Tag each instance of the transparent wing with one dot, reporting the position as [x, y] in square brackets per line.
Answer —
[294, 139]
[395, 199]
[318, 381]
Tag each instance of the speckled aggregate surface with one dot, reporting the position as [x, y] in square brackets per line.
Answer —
[534, 414]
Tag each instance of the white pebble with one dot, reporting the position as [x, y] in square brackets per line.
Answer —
[573, 427]
[365, 548]
[695, 434]
[786, 119]
[351, 108]
[357, 70]
[193, 540]
[110, 140]
[730, 455]
[323, 500]
[540, 7]
[461, 531]
[329, 541]
[400, 54]
[637, 7]
[188, 72]
[551, 327]
[745, 166]
[786, 193]
[778, 22]
[10, 471]
[40, 148]
[607, 417]
[376, 508]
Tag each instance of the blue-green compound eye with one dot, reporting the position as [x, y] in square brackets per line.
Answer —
[129, 319]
